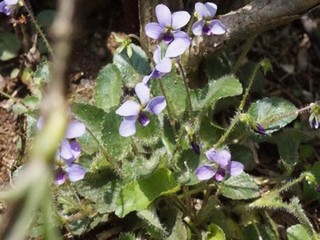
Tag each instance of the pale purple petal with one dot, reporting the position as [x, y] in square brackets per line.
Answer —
[129, 108]
[182, 35]
[3, 7]
[143, 119]
[164, 65]
[156, 105]
[217, 28]
[143, 93]
[75, 129]
[11, 2]
[220, 174]
[197, 28]
[154, 30]
[211, 9]
[128, 126]
[201, 10]
[65, 150]
[205, 172]
[157, 54]
[223, 158]
[146, 79]
[60, 176]
[235, 168]
[75, 172]
[180, 19]
[163, 14]
[75, 149]
[40, 123]
[176, 48]
[211, 154]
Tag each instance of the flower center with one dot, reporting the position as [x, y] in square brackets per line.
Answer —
[143, 119]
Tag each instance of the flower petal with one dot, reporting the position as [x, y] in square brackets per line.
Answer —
[176, 48]
[235, 168]
[163, 14]
[201, 10]
[143, 93]
[222, 157]
[217, 28]
[75, 172]
[157, 54]
[75, 149]
[129, 108]
[205, 172]
[154, 30]
[75, 129]
[197, 28]
[211, 154]
[146, 79]
[40, 122]
[211, 9]
[180, 19]
[220, 174]
[143, 119]
[128, 126]
[183, 36]
[164, 66]
[11, 2]
[65, 150]
[156, 105]
[60, 176]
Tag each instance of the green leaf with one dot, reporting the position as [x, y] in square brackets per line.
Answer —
[151, 133]
[214, 232]
[91, 116]
[117, 146]
[273, 113]
[107, 91]
[298, 232]
[139, 194]
[134, 68]
[150, 217]
[9, 45]
[46, 18]
[227, 86]
[126, 236]
[175, 91]
[240, 187]
[101, 188]
[179, 230]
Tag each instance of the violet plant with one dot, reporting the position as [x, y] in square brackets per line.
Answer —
[172, 158]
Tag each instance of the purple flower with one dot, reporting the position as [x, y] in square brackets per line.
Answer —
[314, 115]
[67, 153]
[133, 111]
[168, 26]
[220, 166]
[195, 147]
[7, 6]
[205, 25]
[259, 129]
[314, 122]
[163, 64]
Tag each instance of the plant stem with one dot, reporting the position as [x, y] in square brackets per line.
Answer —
[246, 94]
[224, 137]
[143, 46]
[246, 48]
[187, 88]
[172, 122]
[14, 99]
[37, 26]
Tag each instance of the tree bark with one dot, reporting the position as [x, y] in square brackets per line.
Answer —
[250, 20]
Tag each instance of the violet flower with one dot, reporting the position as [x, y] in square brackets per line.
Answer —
[168, 26]
[205, 24]
[7, 6]
[259, 129]
[133, 111]
[163, 64]
[67, 153]
[220, 166]
[314, 117]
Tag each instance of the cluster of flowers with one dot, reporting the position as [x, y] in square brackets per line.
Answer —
[7, 6]
[173, 43]
[67, 153]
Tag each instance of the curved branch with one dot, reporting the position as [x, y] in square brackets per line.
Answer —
[252, 19]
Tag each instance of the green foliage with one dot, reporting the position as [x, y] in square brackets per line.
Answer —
[273, 113]
[240, 187]
[132, 68]
[214, 232]
[297, 232]
[9, 45]
[138, 195]
[108, 88]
